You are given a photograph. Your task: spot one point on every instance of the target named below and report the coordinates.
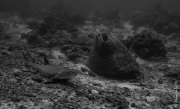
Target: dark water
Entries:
(125, 6)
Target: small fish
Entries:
(50, 71)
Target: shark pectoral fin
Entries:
(51, 79)
(46, 61)
(55, 77)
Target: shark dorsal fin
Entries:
(46, 62)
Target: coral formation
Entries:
(110, 58)
(146, 45)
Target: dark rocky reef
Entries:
(110, 58)
(146, 45)
(57, 18)
(55, 23)
(34, 39)
(166, 27)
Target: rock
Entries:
(42, 53)
(134, 105)
(150, 98)
(73, 56)
(58, 54)
(4, 52)
(170, 107)
(72, 96)
(35, 39)
(111, 59)
(103, 107)
(147, 45)
(85, 70)
(167, 100)
(173, 48)
(37, 79)
(13, 80)
(15, 70)
(94, 92)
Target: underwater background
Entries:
(125, 6)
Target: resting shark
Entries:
(50, 71)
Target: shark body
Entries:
(50, 71)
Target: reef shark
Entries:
(51, 72)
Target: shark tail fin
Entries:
(46, 61)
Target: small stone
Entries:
(13, 80)
(37, 79)
(16, 70)
(103, 107)
(133, 105)
(72, 96)
(10, 49)
(170, 107)
(4, 52)
(150, 98)
(30, 82)
(45, 101)
(167, 100)
(94, 92)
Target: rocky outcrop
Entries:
(146, 45)
(110, 58)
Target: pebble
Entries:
(133, 105)
(94, 92)
(170, 107)
(4, 52)
(150, 98)
(13, 80)
(16, 70)
(103, 107)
